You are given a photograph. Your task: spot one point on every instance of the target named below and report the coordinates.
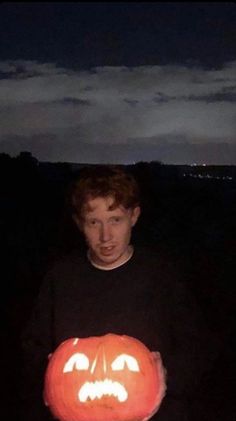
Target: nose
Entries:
(105, 233)
(99, 366)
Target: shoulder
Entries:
(161, 260)
(168, 274)
(66, 265)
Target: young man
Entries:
(114, 288)
(106, 207)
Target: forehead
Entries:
(102, 204)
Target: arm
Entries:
(191, 353)
(188, 346)
(36, 345)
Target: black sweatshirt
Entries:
(143, 298)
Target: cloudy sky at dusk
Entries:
(119, 82)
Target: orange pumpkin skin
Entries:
(106, 378)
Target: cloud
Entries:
(118, 113)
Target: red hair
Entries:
(104, 181)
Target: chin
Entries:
(108, 260)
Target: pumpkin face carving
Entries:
(107, 378)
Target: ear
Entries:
(135, 215)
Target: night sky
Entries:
(119, 82)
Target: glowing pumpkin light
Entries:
(104, 378)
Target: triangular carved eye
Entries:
(124, 359)
(78, 361)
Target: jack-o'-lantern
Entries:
(106, 378)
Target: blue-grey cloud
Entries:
(131, 102)
(118, 112)
(217, 97)
(74, 101)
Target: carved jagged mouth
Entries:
(98, 389)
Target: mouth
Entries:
(99, 389)
(107, 250)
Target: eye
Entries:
(79, 361)
(124, 359)
(116, 219)
(92, 222)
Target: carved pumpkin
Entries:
(107, 378)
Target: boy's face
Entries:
(107, 231)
